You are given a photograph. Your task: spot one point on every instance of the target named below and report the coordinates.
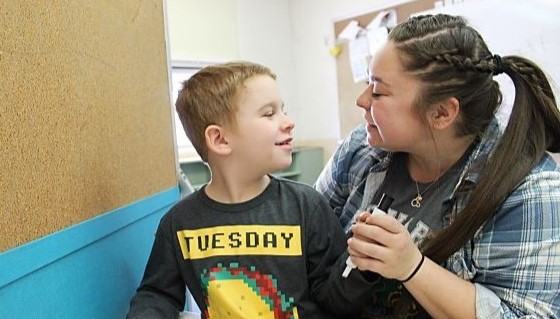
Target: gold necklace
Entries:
(416, 202)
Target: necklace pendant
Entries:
(416, 202)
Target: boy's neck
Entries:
(235, 190)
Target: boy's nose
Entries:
(288, 123)
(291, 124)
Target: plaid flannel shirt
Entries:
(513, 260)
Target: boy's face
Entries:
(262, 139)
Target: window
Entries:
(178, 75)
(181, 71)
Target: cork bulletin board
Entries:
(85, 114)
(350, 115)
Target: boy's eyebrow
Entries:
(271, 105)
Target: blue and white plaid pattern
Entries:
(343, 179)
(514, 259)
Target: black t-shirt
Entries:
(398, 184)
(272, 254)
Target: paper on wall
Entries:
(358, 51)
(378, 29)
(385, 18)
(351, 31)
(376, 38)
(363, 43)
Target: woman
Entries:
(474, 227)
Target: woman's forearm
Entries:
(441, 293)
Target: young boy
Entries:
(247, 244)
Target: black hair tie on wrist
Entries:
(415, 270)
(498, 65)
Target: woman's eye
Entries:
(376, 95)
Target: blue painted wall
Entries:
(90, 270)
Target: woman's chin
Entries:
(373, 138)
(373, 143)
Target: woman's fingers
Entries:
(383, 245)
(387, 222)
(372, 233)
(362, 217)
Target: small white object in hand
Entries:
(349, 264)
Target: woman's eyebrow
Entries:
(372, 78)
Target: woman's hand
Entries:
(383, 245)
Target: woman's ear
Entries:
(216, 140)
(445, 113)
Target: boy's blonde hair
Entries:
(211, 96)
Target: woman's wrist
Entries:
(415, 271)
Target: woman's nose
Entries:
(364, 99)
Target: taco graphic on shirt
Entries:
(238, 293)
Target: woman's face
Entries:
(388, 102)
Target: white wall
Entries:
(202, 30)
(265, 36)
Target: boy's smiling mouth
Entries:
(284, 142)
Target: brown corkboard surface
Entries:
(85, 115)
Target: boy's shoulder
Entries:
(291, 183)
(299, 187)
(190, 201)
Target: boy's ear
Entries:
(444, 114)
(216, 140)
